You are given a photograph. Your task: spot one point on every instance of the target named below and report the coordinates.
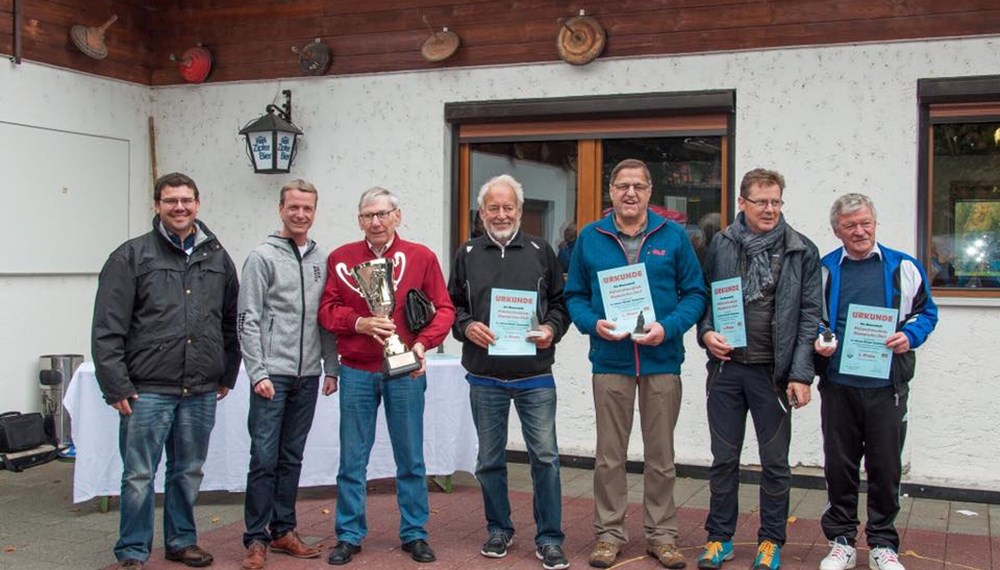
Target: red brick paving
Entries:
(457, 530)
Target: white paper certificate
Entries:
(865, 352)
(625, 294)
(727, 311)
(510, 319)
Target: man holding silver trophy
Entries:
(382, 361)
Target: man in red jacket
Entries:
(363, 382)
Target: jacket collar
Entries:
(516, 241)
(280, 242)
(654, 222)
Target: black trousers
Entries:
(869, 422)
(734, 389)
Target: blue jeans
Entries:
(278, 430)
(360, 395)
(182, 425)
(734, 389)
(537, 410)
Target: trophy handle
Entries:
(345, 276)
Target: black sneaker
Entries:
(552, 557)
(496, 546)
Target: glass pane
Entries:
(687, 180)
(546, 170)
(965, 206)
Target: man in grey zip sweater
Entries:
(282, 348)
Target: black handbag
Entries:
(19, 432)
(419, 310)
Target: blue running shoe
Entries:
(768, 556)
(716, 552)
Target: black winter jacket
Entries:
(797, 301)
(165, 322)
(526, 263)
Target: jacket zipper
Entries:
(302, 297)
(638, 252)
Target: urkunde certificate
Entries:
(727, 311)
(625, 294)
(510, 319)
(865, 352)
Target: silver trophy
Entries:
(534, 327)
(374, 280)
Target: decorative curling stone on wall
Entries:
(91, 40)
(314, 58)
(580, 40)
(194, 64)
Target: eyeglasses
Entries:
(174, 201)
(866, 225)
(763, 204)
(382, 216)
(639, 187)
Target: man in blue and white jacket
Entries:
(623, 366)
(862, 415)
(283, 348)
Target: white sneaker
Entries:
(842, 556)
(884, 558)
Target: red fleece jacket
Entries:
(414, 267)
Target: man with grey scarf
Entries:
(770, 374)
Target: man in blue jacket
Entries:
(864, 412)
(649, 364)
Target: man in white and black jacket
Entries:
(284, 351)
(506, 258)
(866, 415)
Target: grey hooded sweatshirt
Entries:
(279, 300)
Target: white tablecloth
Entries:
(449, 435)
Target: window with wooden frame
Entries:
(562, 151)
(959, 199)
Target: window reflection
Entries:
(965, 215)
(546, 170)
(687, 180)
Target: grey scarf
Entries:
(757, 248)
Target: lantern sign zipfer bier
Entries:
(271, 139)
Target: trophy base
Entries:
(832, 343)
(400, 364)
(638, 336)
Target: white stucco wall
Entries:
(51, 313)
(831, 119)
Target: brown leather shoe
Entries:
(292, 545)
(256, 556)
(131, 564)
(668, 554)
(192, 556)
(604, 555)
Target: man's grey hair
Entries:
(848, 204)
(375, 193)
(505, 180)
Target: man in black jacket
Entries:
(760, 359)
(165, 349)
(499, 281)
